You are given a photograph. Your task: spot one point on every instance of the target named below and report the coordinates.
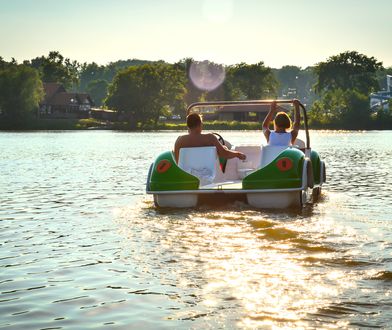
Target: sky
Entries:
(277, 32)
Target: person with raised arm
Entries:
(284, 133)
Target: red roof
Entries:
(70, 99)
(55, 94)
(52, 89)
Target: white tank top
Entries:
(279, 139)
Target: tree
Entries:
(305, 85)
(344, 82)
(111, 69)
(20, 93)
(90, 72)
(98, 90)
(192, 94)
(143, 92)
(348, 71)
(56, 68)
(381, 77)
(254, 81)
(295, 82)
(341, 109)
(287, 78)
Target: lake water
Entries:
(82, 247)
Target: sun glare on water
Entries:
(266, 272)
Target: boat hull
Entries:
(276, 200)
(176, 200)
(259, 199)
(272, 186)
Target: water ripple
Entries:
(83, 247)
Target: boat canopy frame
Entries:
(254, 102)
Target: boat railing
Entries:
(254, 102)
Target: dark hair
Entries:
(193, 120)
(282, 120)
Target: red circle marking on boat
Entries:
(284, 164)
(163, 166)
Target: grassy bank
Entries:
(82, 124)
(213, 125)
(58, 124)
(90, 123)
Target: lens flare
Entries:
(206, 75)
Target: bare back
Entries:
(193, 140)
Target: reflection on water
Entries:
(83, 247)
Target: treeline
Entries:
(336, 91)
(344, 83)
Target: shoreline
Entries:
(95, 124)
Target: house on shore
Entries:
(58, 103)
(380, 100)
(244, 113)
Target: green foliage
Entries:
(64, 124)
(382, 119)
(348, 70)
(344, 82)
(142, 92)
(192, 94)
(381, 77)
(341, 109)
(56, 68)
(97, 89)
(206, 69)
(295, 82)
(210, 125)
(242, 81)
(250, 81)
(20, 93)
(90, 123)
(287, 77)
(90, 72)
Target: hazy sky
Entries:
(278, 32)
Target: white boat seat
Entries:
(252, 161)
(269, 153)
(298, 143)
(202, 162)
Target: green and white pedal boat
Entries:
(270, 177)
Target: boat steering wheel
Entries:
(220, 138)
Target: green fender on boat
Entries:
(167, 176)
(271, 177)
(315, 158)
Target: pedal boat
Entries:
(270, 177)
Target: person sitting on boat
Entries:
(195, 138)
(282, 135)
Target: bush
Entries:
(341, 110)
(20, 93)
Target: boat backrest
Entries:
(269, 153)
(201, 162)
(252, 153)
(298, 143)
(252, 161)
